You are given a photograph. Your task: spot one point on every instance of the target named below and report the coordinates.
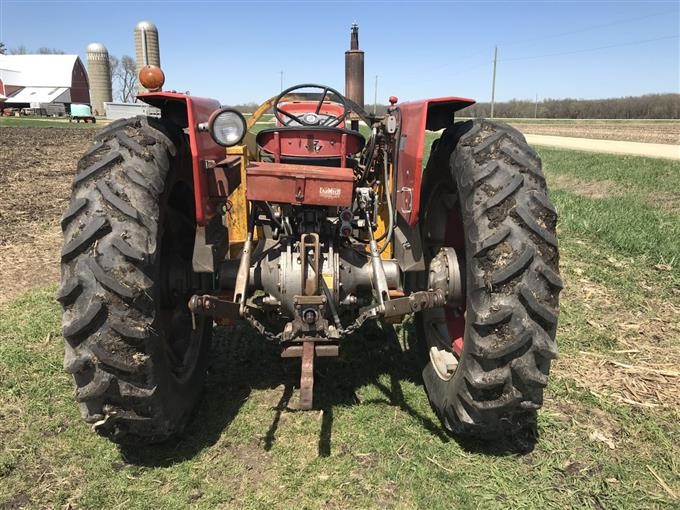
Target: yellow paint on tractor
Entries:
(383, 220)
(237, 215)
(261, 111)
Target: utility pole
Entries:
(375, 96)
(536, 107)
(281, 73)
(493, 82)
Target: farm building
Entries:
(39, 80)
(115, 111)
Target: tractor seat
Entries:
(315, 145)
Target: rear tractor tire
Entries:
(486, 362)
(126, 277)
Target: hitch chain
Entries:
(276, 337)
(260, 328)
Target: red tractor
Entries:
(307, 230)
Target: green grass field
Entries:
(608, 436)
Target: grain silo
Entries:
(146, 47)
(99, 74)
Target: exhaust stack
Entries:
(354, 73)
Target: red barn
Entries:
(30, 80)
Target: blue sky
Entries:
(234, 51)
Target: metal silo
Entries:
(99, 74)
(146, 47)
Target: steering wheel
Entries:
(311, 118)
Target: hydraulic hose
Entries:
(371, 151)
(387, 235)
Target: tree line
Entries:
(22, 50)
(648, 106)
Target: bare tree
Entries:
(113, 65)
(23, 50)
(49, 51)
(124, 76)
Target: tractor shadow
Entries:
(243, 361)
(386, 350)
(365, 360)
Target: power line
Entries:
(407, 78)
(587, 50)
(456, 61)
(587, 29)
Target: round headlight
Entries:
(227, 127)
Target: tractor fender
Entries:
(188, 112)
(416, 117)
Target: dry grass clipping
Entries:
(647, 378)
(585, 188)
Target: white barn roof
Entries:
(41, 95)
(37, 70)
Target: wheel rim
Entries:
(444, 328)
(183, 334)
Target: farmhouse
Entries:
(39, 80)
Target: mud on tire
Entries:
(137, 364)
(512, 279)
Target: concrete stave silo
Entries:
(99, 75)
(147, 51)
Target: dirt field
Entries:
(646, 132)
(36, 169)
